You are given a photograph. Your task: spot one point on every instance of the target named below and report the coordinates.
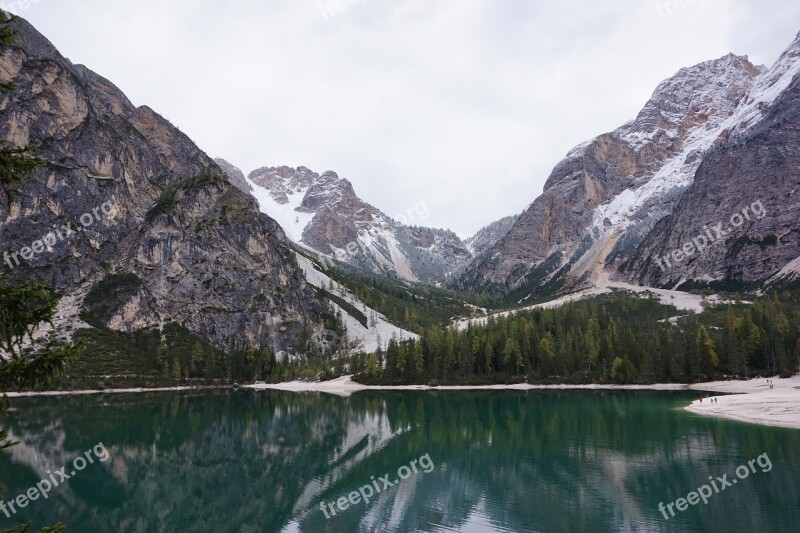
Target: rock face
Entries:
(741, 216)
(602, 205)
(489, 235)
(323, 212)
(148, 202)
(235, 176)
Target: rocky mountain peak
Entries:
(194, 250)
(701, 96)
(323, 213)
(608, 193)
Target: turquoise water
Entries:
(245, 461)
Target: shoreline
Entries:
(744, 401)
(89, 392)
(753, 401)
(344, 386)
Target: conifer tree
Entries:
(488, 355)
(401, 360)
(419, 359)
(706, 351)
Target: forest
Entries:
(614, 338)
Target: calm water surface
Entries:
(551, 461)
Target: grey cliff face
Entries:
(488, 236)
(745, 201)
(235, 176)
(206, 257)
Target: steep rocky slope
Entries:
(743, 208)
(489, 235)
(323, 213)
(235, 176)
(140, 200)
(602, 201)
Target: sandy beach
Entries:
(753, 401)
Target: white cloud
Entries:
(464, 104)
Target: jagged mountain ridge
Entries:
(489, 235)
(323, 213)
(605, 197)
(205, 257)
(754, 175)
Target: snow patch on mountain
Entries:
(322, 213)
(292, 219)
(713, 125)
(378, 331)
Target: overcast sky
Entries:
(465, 105)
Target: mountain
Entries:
(235, 176)
(743, 206)
(128, 210)
(621, 197)
(323, 213)
(489, 235)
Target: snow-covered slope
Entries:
(324, 214)
(604, 198)
(488, 236)
(378, 331)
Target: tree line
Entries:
(613, 338)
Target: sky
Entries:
(463, 106)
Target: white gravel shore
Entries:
(753, 401)
(747, 401)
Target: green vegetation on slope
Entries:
(413, 307)
(614, 338)
(153, 358)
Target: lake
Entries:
(474, 461)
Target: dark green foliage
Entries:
(347, 306)
(29, 360)
(615, 338)
(116, 359)
(201, 180)
(15, 165)
(413, 307)
(165, 202)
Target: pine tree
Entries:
(706, 351)
(737, 358)
(391, 358)
(401, 360)
(547, 347)
(797, 356)
(592, 343)
(488, 355)
(372, 365)
(209, 364)
(197, 356)
(176, 371)
(512, 353)
(419, 358)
